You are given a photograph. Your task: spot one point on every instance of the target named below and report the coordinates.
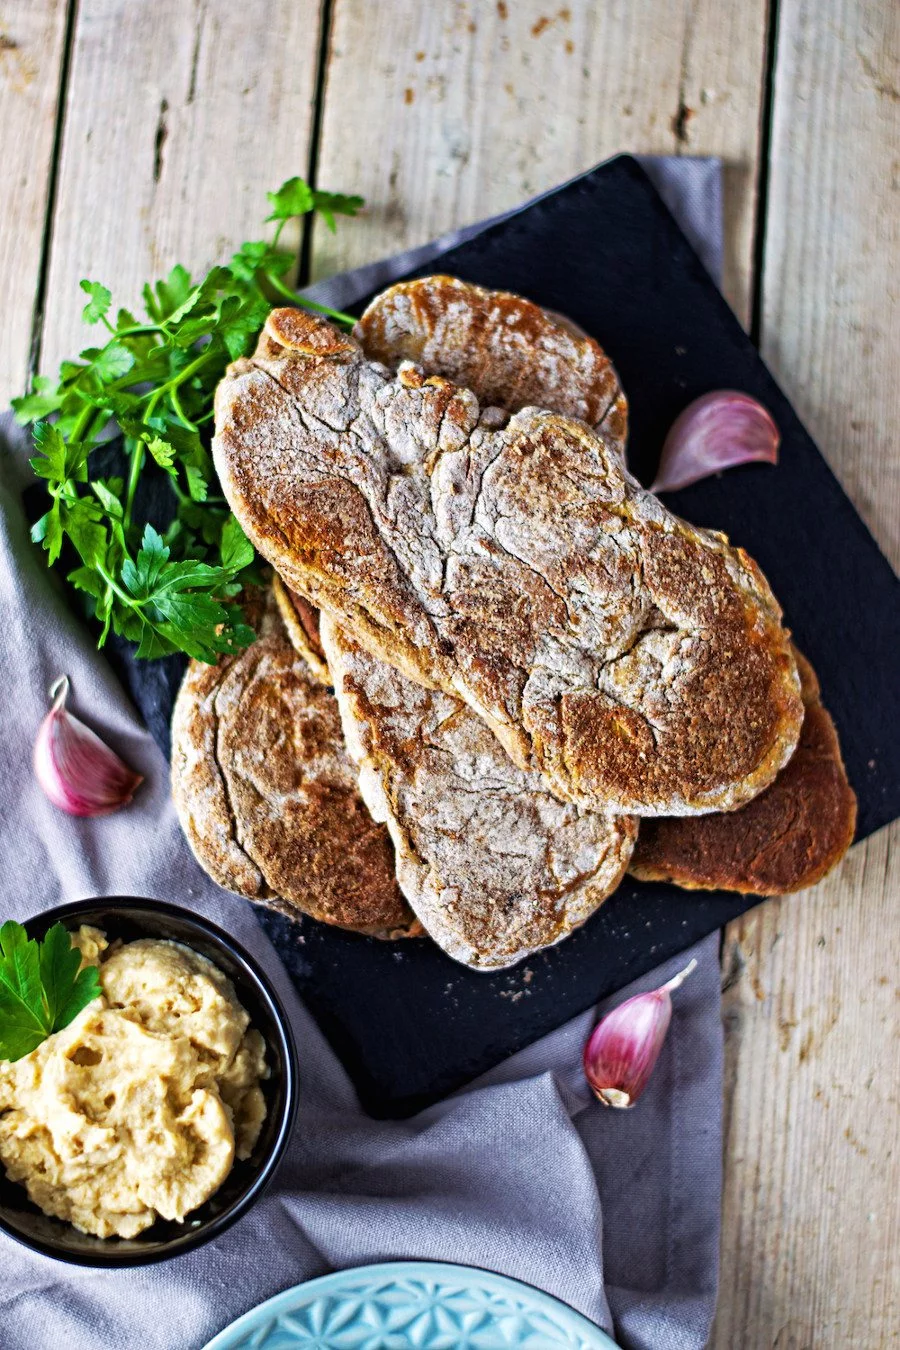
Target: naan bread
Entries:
(637, 662)
(511, 353)
(493, 864)
(267, 794)
(787, 838)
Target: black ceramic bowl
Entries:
(128, 918)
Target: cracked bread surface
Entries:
(787, 838)
(493, 864)
(267, 794)
(511, 353)
(638, 662)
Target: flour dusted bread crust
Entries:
(492, 863)
(301, 622)
(266, 793)
(639, 663)
(787, 838)
(511, 353)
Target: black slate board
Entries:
(410, 1024)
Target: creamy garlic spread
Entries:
(139, 1107)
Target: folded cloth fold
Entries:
(616, 1213)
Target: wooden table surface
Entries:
(137, 133)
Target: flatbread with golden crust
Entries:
(493, 864)
(639, 663)
(787, 838)
(511, 353)
(267, 794)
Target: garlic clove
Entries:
(715, 432)
(77, 771)
(624, 1046)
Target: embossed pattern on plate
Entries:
(417, 1304)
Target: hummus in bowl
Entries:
(137, 1109)
(160, 1113)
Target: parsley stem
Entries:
(338, 314)
(154, 395)
(139, 329)
(295, 299)
(117, 589)
(134, 473)
(83, 420)
(176, 404)
(191, 369)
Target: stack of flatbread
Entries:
(493, 672)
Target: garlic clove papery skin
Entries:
(624, 1047)
(622, 1050)
(717, 431)
(77, 771)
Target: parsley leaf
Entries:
(163, 453)
(82, 522)
(49, 532)
(297, 198)
(237, 551)
(20, 970)
(152, 379)
(67, 988)
(58, 460)
(331, 204)
(141, 577)
(111, 362)
(44, 400)
(168, 297)
(42, 987)
(98, 306)
(293, 198)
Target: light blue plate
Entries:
(412, 1305)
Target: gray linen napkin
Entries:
(616, 1213)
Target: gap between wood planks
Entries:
(762, 187)
(37, 318)
(326, 16)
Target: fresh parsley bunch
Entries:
(152, 378)
(42, 987)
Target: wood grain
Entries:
(831, 286)
(442, 114)
(31, 46)
(180, 117)
(811, 1226)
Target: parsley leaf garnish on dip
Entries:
(42, 987)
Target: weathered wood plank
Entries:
(180, 116)
(831, 289)
(442, 114)
(32, 35)
(810, 1220)
(811, 1224)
